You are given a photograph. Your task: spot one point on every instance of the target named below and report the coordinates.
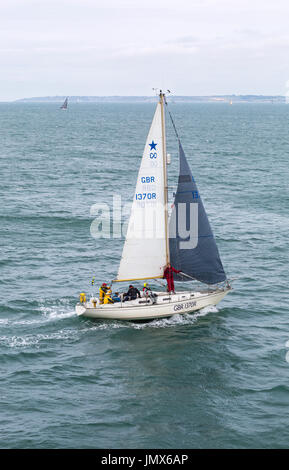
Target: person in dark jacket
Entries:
(132, 293)
(169, 276)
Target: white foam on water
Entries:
(39, 320)
(174, 320)
(54, 314)
(158, 323)
(61, 309)
(48, 314)
(204, 311)
(37, 339)
(177, 319)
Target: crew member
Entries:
(149, 293)
(146, 288)
(102, 291)
(107, 297)
(169, 276)
(116, 297)
(132, 293)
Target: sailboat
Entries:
(65, 104)
(154, 239)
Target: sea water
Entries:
(218, 378)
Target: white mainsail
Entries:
(145, 250)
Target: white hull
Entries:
(166, 305)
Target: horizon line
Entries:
(172, 96)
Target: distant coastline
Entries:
(231, 99)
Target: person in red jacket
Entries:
(169, 276)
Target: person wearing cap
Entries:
(132, 293)
(102, 292)
(147, 292)
(146, 288)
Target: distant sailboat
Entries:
(146, 253)
(64, 106)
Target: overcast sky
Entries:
(126, 47)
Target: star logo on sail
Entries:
(153, 145)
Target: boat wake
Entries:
(204, 311)
(36, 340)
(59, 310)
(177, 319)
(56, 312)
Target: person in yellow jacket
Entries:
(102, 291)
(107, 297)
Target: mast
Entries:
(162, 99)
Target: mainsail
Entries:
(202, 261)
(145, 250)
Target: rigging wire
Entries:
(171, 117)
(178, 139)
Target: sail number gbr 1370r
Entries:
(185, 305)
